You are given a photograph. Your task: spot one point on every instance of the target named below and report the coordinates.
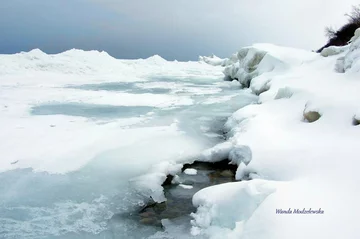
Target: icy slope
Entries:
(298, 159)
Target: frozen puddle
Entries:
(90, 110)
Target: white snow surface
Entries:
(87, 138)
(294, 164)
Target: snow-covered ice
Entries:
(86, 137)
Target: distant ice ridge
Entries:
(77, 62)
(217, 61)
(300, 147)
(36, 60)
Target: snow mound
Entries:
(34, 54)
(260, 84)
(217, 215)
(155, 59)
(261, 58)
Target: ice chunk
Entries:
(149, 184)
(217, 153)
(334, 50)
(190, 171)
(239, 154)
(214, 60)
(185, 186)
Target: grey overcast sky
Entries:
(181, 29)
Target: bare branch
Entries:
(330, 32)
(354, 15)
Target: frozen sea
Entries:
(78, 127)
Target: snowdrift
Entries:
(299, 147)
(261, 58)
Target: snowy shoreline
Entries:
(294, 133)
(303, 145)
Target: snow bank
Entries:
(260, 58)
(300, 145)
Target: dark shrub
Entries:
(342, 36)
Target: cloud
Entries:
(181, 29)
(237, 22)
